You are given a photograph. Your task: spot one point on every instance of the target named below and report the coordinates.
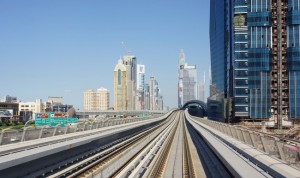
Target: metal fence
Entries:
(281, 148)
(13, 136)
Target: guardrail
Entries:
(8, 137)
(281, 148)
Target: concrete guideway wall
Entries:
(246, 161)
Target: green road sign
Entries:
(55, 121)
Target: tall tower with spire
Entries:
(180, 78)
(187, 81)
(120, 87)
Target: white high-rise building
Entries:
(33, 107)
(96, 100)
(140, 77)
(154, 94)
(201, 92)
(140, 83)
(187, 81)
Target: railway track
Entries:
(212, 165)
(175, 159)
(174, 147)
(189, 171)
(160, 163)
(100, 163)
(32, 144)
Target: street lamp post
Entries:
(2, 133)
(24, 129)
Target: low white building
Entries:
(34, 107)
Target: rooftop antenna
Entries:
(125, 47)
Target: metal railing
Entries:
(281, 148)
(14, 136)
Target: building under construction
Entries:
(264, 60)
(274, 60)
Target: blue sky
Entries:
(63, 47)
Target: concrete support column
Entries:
(239, 134)
(54, 132)
(263, 141)
(41, 132)
(66, 130)
(279, 146)
(76, 128)
(254, 143)
(244, 136)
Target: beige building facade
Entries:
(120, 87)
(96, 100)
(131, 78)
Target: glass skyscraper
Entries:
(274, 60)
(221, 63)
(259, 21)
(218, 43)
(293, 57)
(239, 42)
(260, 57)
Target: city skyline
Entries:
(64, 48)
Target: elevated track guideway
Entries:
(174, 145)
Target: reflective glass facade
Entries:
(240, 59)
(260, 58)
(293, 57)
(218, 43)
(221, 88)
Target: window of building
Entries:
(119, 77)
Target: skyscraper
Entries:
(156, 100)
(293, 60)
(140, 87)
(262, 51)
(147, 97)
(238, 92)
(152, 93)
(120, 87)
(220, 29)
(131, 79)
(140, 77)
(187, 81)
(219, 42)
(274, 71)
(96, 100)
(201, 92)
